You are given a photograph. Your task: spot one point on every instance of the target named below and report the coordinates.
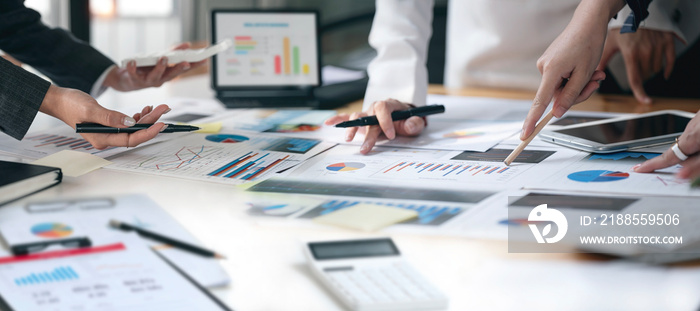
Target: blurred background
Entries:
(124, 28)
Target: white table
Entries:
(266, 263)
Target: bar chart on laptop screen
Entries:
(269, 49)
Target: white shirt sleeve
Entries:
(98, 88)
(660, 18)
(400, 33)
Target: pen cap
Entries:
(426, 110)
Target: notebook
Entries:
(20, 179)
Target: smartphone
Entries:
(622, 133)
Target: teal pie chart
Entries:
(598, 176)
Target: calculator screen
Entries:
(353, 249)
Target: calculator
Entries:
(370, 274)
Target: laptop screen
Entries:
(270, 49)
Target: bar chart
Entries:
(249, 166)
(60, 274)
(428, 214)
(266, 55)
(63, 142)
(448, 171)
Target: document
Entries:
(121, 275)
(227, 157)
(47, 221)
(613, 173)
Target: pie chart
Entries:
(226, 138)
(345, 166)
(598, 176)
(52, 230)
(281, 209)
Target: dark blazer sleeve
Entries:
(21, 94)
(67, 61)
(639, 13)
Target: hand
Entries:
(568, 65)
(645, 52)
(382, 109)
(689, 144)
(73, 106)
(134, 78)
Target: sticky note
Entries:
(366, 217)
(73, 163)
(208, 128)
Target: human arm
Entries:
(689, 144)
(72, 63)
(400, 34)
(568, 65)
(645, 53)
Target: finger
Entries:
(549, 84)
(114, 118)
(131, 68)
(635, 79)
(410, 127)
(173, 72)
(183, 46)
(351, 131)
(691, 168)
(608, 52)
(657, 60)
(139, 137)
(371, 138)
(666, 159)
(155, 114)
(587, 91)
(383, 114)
(670, 55)
(157, 72)
(337, 119)
(571, 91)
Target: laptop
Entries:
(275, 60)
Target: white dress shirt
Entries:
(490, 43)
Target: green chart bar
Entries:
(295, 56)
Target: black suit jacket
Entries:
(67, 61)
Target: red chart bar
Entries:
(278, 65)
(406, 166)
(242, 38)
(234, 164)
(267, 168)
(393, 167)
(64, 253)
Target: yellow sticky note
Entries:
(208, 128)
(366, 217)
(73, 163)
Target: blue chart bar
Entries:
(229, 165)
(57, 275)
(426, 214)
(244, 168)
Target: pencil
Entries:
(516, 152)
(172, 242)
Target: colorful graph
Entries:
(63, 142)
(180, 159)
(417, 169)
(624, 155)
(427, 214)
(247, 167)
(598, 176)
(520, 222)
(463, 134)
(51, 230)
(281, 209)
(60, 274)
(345, 166)
(227, 138)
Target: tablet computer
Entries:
(623, 133)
